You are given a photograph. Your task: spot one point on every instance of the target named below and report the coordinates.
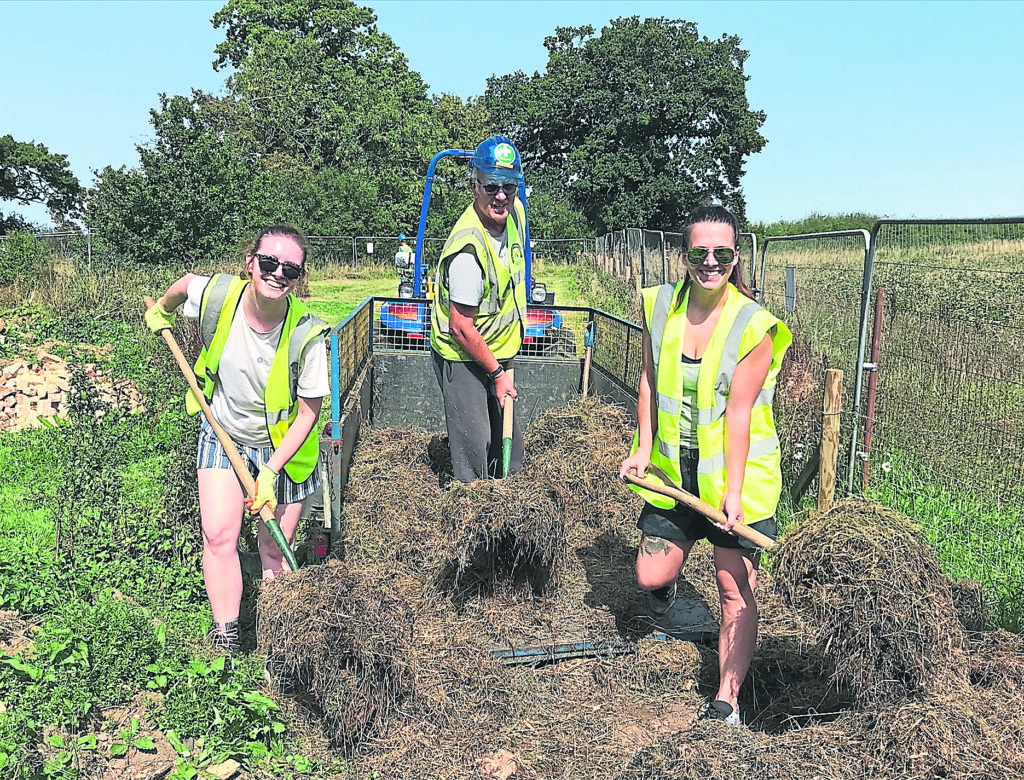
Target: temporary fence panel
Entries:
(653, 257)
(813, 283)
(377, 251)
(675, 256)
(331, 251)
(749, 260)
(948, 424)
(558, 250)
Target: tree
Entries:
(635, 126)
(195, 196)
(29, 173)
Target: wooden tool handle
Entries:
(248, 483)
(506, 422)
(717, 516)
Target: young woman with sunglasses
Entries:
(711, 355)
(264, 365)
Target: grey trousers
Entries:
(474, 417)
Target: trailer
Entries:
(387, 382)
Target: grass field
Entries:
(948, 446)
(334, 295)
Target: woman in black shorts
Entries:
(711, 355)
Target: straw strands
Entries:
(386, 656)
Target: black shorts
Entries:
(683, 524)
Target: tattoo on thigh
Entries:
(654, 545)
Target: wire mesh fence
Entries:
(351, 346)
(948, 423)
(403, 325)
(813, 284)
(618, 349)
(651, 257)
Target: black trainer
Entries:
(225, 638)
(659, 604)
(720, 710)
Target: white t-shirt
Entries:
(245, 368)
(466, 277)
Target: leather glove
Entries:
(158, 318)
(264, 494)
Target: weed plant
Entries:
(101, 547)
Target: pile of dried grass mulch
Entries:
(385, 656)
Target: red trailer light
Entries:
(404, 311)
(539, 317)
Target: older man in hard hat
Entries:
(479, 311)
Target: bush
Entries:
(22, 255)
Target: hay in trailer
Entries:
(882, 610)
(512, 528)
(575, 450)
(387, 662)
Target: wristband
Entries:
(493, 375)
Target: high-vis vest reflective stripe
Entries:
(741, 327)
(502, 311)
(221, 297)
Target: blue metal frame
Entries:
(421, 230)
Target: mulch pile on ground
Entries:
(386, 654)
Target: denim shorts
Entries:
(683, 524)
(211, 455)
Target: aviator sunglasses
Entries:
(269, 264)
(723, 254)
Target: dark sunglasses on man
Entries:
(269, 264)
(492, 189)
(723, 254)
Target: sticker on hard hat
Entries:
(504, 155)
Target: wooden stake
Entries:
(830, 437)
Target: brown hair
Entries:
(713, 212)
(282, 229)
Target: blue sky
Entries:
(904, 109)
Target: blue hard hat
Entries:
(401, 237)
(497, 156)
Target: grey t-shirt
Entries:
(466, 277)
(245, 369)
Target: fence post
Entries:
(664, 258)
(876, 349)
(830, 437)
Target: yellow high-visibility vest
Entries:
(502, 311)
(741, 327)
(221, 297)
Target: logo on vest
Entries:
(504, 155)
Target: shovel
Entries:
(716, 516)
(248, 483)
(506, 431)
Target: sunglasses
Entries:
(723, 254)
(269, 264)
(492, 189)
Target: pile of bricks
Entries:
(34, 389)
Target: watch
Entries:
(496, 372)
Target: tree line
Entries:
(322, 122)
